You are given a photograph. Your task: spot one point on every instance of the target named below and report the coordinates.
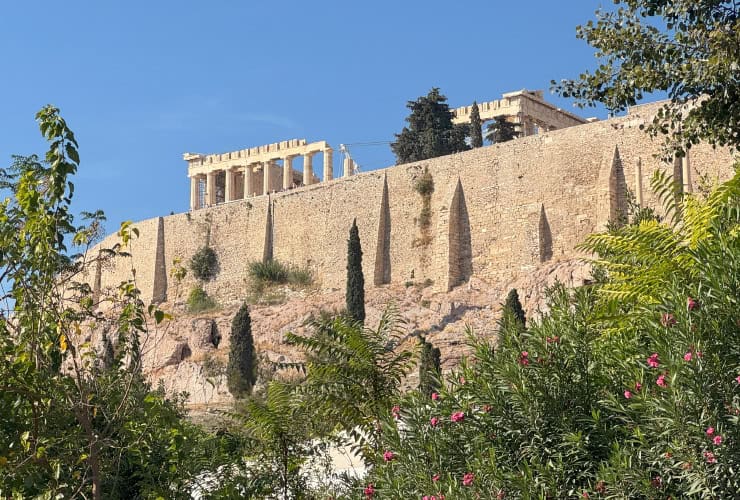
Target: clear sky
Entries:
(141, 83)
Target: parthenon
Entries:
(527, 109)
(220, 178)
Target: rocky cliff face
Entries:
(189, 353)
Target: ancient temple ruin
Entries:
(220, 178)
(526, 109)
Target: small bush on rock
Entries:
(199, 301)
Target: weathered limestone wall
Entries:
(496, 213)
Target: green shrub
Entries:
(204, 264)
(199, 301)
(424, 184)
(274, 272)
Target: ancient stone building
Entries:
(496, 212)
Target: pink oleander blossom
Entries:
(653, 361)
(717, 440)
(710, 431)
(369, 491)
(638, 386)
(524, 358)
(434, 421)
(709, 457)
(737, 379)
(627, 394)
(667, 320)
(435, 396)
(687, 356)
(661, 381)
(396, 411)
(458, 416)
(468, 478)
(388, 456)
(435, 478)
(691, 303)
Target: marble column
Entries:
(267, 177)
(287, 172)
(229, 187)
(328, 164)
(248, 188)
(307, 169)
(347, 167)
(194, 182)
(211, 188)
(686, 173)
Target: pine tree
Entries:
(241, 372)
(430, 131)
(355, 278)
(513, 305)
(500, 130)
(476, 127)
(430, 368)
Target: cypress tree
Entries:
(514, 307)
(355, 279)
(476, 127)
(429, 368)
(241, 372)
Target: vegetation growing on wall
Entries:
(200, 301)
(204, 263)
(424, 185)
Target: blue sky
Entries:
(141, 83)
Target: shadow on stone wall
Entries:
(544, 236)
(460, 248)
(383, 250)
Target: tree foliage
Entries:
(500, 130)
(430, 131)
(241, 372)
(476, 127)
(514, 307)
(78, 420)
(686, 48)
(355, 296)
(204, 263)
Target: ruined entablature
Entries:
(526, 109)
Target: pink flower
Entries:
(388, 456)
(638, 386)
(585, 494)
(468, 478)
(462, 380)
(667, 320)
(427, 497)
(627, 394)
(524, 358)
(458, 416)
(652, 361)
(369, 491)
(717, 440)
(487, 408)
(396, 411)
(435, 478)
(434, 421)
(553, 340)
(737, 379)
(710, 458)
(710, 430)
(687, 356)
(661, 381)
(691, 304)
(435, 396)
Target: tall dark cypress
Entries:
(241, 372)
(476, 127)
(355, 278)
(429, 368)
(515, 307)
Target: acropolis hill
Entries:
(496, 211)
(501, 216)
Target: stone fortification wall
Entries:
(496, 213)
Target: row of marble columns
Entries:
(249, 188)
